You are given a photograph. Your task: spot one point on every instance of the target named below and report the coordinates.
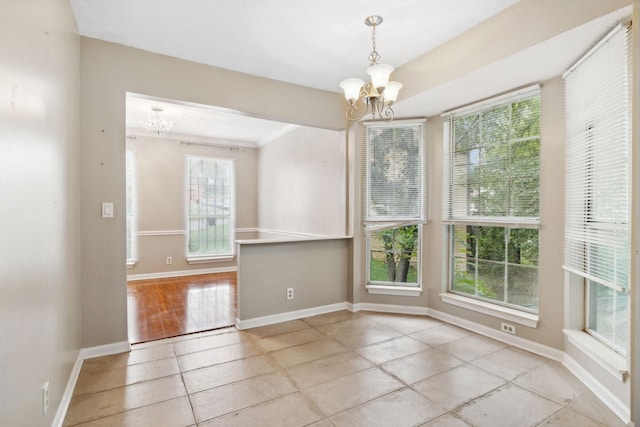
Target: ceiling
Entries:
(315, 44)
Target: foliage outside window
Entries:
(130, 206)
(491, 199)
(210, 190)
(598, 184)
(395, 198)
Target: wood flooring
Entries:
(163, 308)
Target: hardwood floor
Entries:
(162, 308)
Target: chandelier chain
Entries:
(373, 57)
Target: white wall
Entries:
(39, 214)
(302, 183)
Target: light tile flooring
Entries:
(338, 369)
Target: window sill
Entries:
(131, 263)
(505, 313)
(405, 291)
(209, 259)
(612, 362)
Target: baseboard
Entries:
(389, 308)
(165, 274)
(105, 350)
(516, 341)
(290, 315)
(61, 413)
(596, 387)
(85, 353)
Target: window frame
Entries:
(589, 236)
(131, 208)
(452, 218)
(376, 223)
(200, 257)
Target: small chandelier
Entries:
(379, 94)
(156, 122)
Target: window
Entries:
(491, 199)
(394, 201)
(210, 204)
(130, 207)
(598, 184)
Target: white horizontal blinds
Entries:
(492, 162)
(597, 230)
(395, 171)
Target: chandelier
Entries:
(156, 122)
(379, 94)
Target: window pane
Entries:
(607, 315)
(491, 280)
(209, 188)
(496, 263)
(394, 255)
(130, 197)
(394, 172)
(521, 289)
(523, 246)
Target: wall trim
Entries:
(389, 308)
(516, 341)
(290, 315)
(161, 233)
(85, 353)
(609, 399)
(165, 274)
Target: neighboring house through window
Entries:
(491, 200)
(394, 204)
(210, 207)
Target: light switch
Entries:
(107, 210)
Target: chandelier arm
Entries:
(354, 114)
(387, 114)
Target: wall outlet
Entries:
(508, 328)
(289, 293)
(169, 260)
(45, 397)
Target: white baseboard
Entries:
(290, 315)
(389, 308)
(165, 274)
(524, 344)
(604, 394)
(61, 413)
(85, 353)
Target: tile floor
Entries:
(168, 307)
(338, 369)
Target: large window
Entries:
(491, 199)
(394, 201)
(598, 187)
(130, 207)
(210, 204)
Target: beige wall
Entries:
(160, 202)
(302, 182)
(108, 71)
(316, 270)
(40, 209)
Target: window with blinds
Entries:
(130, 207)
(394, 199)
(598, 183)
(491, 198)
(210, 195)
